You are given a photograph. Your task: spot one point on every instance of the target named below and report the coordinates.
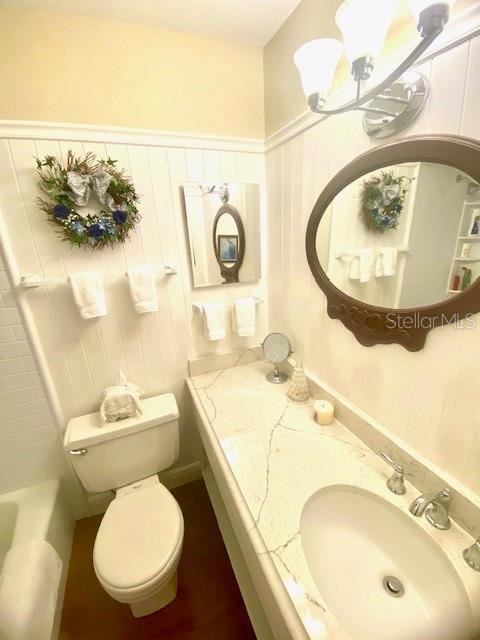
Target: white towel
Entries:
(214, 315)
(143, 289)
(29, 585)
(354, 270)
(379, 265)
(389, 260)
(244, 317)
(361, 266)
(88, 292)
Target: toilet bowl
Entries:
(139, 541)
(138, 547)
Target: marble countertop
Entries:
(278, 457)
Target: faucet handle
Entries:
(472, 555)
(399, 468)
(396, 483)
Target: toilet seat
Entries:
(139, 542)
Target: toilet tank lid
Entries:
(87, 430)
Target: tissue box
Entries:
(121, 401)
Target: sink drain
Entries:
(393, 586)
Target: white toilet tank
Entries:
(109, 456)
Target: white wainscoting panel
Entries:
(430, 398)
(152, 349)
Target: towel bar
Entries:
(198, 307)
(350, 254)
(32, 281)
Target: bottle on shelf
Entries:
(467, 278)
(456, 282)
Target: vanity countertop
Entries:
(273, 457)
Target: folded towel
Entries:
(214, 315)
(379, 265)
(354, 271)
(244, 317)
(361, 266)
(366, 264)
(88, 292)
(389, 260)
(142, 289)
(29, 585)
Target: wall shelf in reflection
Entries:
(467, 259)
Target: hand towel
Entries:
(379, 265)
(89, 295)
(244, 317)
(29, 585)
(361, 266)
(143, 290)
(389, 260)
(214, 316)
(354, 270)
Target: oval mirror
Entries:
(394, 240)
(229, 242)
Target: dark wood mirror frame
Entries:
(230, 273)
(378, 325)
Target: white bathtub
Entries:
(38, 513)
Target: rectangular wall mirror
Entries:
(223, 222)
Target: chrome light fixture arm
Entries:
(316, 102)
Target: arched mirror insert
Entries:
(229, 242)
(394, 240)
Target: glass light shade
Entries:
(317, 62)
(364, 25)
(417, 6)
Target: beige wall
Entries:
(66, 68)
(284, 98)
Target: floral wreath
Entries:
(382, 201)
(70, 187)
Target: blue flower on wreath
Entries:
(120, 216)
(61, 211)
(95, 230)
(108, 226)
(78, 228)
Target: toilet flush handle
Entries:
(78, 452)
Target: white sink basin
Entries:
(353, 540)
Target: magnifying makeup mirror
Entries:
(276, 349)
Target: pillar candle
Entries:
(323, 411)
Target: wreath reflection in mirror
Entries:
(382, 200)
(69, 188)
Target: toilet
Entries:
(139, 541)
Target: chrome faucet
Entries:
(472, 555)
(396, 483)
(435, 506)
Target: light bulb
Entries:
(317, 62)
(364, 25)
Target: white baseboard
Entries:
(172, 478)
